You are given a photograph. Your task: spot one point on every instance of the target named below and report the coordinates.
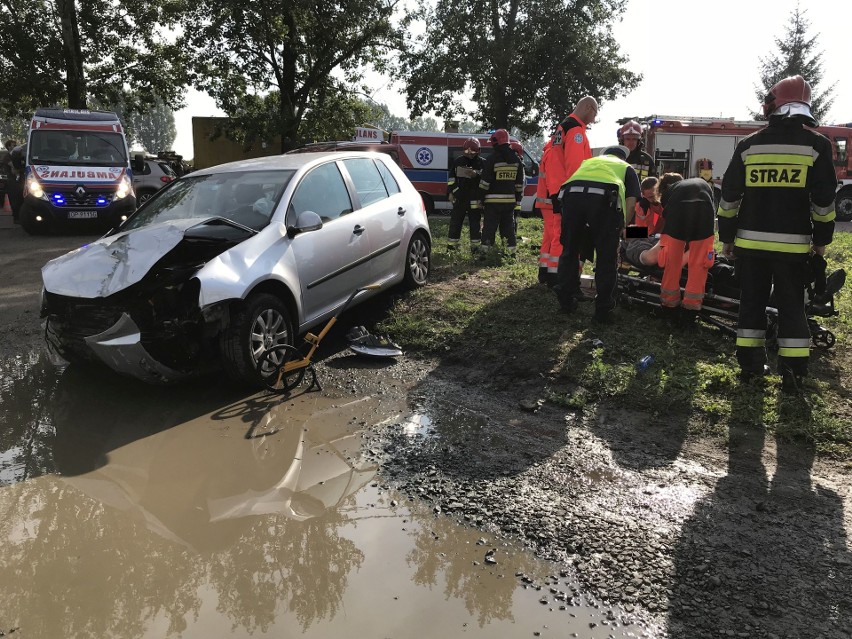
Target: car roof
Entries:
(287, 161)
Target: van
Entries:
(78, 172)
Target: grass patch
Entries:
(492, 315)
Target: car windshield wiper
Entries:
(224, 220)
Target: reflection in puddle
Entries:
(130, 511)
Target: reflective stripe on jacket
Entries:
(778, 192)
(604, 169)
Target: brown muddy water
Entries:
(132, 511)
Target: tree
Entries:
(68, 52)
(154, 129)
(797, 55)
(521, 63)
(288, 61)
(14, 129)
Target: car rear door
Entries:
(333, 261)
(385, 210)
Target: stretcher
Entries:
(640, 285)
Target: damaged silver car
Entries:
(227, 262)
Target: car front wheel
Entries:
(259, 324)
(418, 260)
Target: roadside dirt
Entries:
(696, 538)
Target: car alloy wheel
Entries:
(270, 329)
(417, 261)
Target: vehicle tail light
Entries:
(166, 178)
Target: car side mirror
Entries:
(533, 169)
(137, 163)
(306, 221)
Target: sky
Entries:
(697, 59)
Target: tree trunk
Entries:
(75, 79)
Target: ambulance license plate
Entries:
(82, 215)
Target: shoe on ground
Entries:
(747, 376)
(568, 306)
(791, 384)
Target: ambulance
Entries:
(78, 171)
(426, 158)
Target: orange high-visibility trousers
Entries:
(551, 243)
(701, 255)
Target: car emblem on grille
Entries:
(80, 191)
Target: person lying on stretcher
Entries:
(687, 221)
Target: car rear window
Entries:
(245, 197)
(166, 169)
(366, 179)
(389, 180)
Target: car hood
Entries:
(114, 262)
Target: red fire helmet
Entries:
(792, 89)
(500, 136)
(471, 144)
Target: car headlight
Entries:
(33, 187)
(125, 188)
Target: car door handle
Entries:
(400, 211)
(358, 229)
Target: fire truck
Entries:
(426, 158)
(702, 147)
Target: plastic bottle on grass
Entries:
(644, 363)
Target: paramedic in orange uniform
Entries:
(570, 142)
(689, 213)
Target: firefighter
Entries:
(502, 186)
(777, 207)
(463, 191)
(599, 194)
(689, 214)
(630, 135)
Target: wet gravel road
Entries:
(689, 539)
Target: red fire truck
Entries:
(697, 147)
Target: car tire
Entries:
(843, 205)
(418, 260)
(144, 195)
(259, 323)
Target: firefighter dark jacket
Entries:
(463, 183)
(778, 192)
(642, 163)
(503, 177)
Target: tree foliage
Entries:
(522, 63)
(154, 129)
(68, 52)
(283, 67)
(797, 55)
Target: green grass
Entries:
(491, 315)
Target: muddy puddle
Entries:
(130, 511)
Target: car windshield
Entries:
(245, 197)
(77, 148)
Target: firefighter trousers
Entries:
(604, 222)
(464, 208)
(500, 216)
(700, 257)
(785, 280)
